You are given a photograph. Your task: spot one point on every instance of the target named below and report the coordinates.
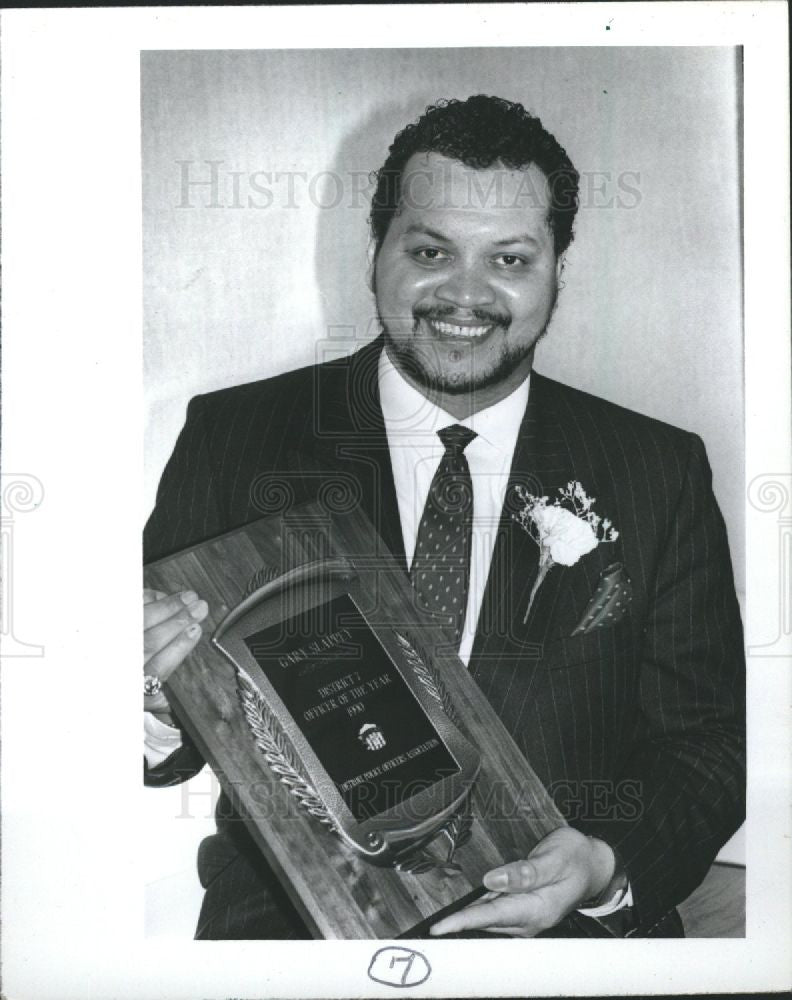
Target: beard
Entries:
(409, 354)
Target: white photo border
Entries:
(74, 846)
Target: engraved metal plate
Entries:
(350, 714)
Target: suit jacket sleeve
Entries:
(187, 511)
(188, 508)
(689, 751)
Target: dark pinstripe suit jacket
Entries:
(637, 729)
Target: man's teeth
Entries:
(451, 330)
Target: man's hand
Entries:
(561, 872)
(170, 631)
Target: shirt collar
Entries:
(408, 413)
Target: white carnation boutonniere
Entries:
(564, 530)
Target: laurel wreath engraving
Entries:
(427, 676)
(457, 829)
(277, 750)
(268, 733)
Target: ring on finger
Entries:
(152, 686)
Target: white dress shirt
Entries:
(411, 424)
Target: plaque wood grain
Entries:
(338, 894)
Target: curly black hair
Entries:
(480, 132)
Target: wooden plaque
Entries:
(487, 810)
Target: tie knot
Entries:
(456, 438)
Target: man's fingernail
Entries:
(188, 596)
(198, 611)
(498, 880)
(193, 631)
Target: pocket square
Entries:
(610, 601)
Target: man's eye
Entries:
(511, 261)
(430, 254)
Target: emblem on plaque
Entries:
(370, 735)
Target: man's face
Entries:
(466, 277)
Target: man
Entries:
(472, 214)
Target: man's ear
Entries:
(560, 264)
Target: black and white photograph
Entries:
(347, 280)
(433, 378)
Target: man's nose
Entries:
(467, 287)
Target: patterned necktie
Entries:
(441, 564)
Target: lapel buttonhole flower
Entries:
(564, 530)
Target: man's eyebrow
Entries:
(422, 230)
(524, 238)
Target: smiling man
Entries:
(637, 724)
(466, 279)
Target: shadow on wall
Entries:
(340, 263)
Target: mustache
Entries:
(487, 316)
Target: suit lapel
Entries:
(349, 441)
(542, 463)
